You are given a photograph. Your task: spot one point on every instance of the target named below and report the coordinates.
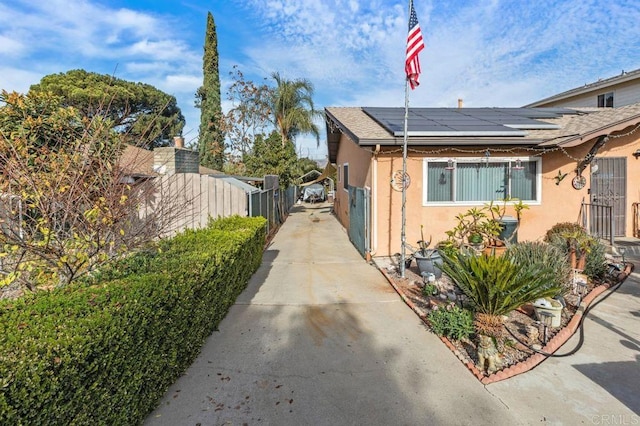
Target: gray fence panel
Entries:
(358, 218)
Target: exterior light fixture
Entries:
(622, 251)
(449, 164)
(581, 289)
(487, 154)
(546, 322)
(518, 165)
(636, 154)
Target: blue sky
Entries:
(487, 52)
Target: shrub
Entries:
(105, 352)
(539, 254)
(496, 286)
(560, 229)
(596, 265)
(452, 322)
(569, 236)
(429, 290)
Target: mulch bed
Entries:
(517, 357)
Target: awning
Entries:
(326, 174)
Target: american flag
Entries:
(414, 45)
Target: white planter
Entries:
(555, 309)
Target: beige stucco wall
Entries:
(359, 160)
(559, 203)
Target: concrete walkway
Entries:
(319, 337)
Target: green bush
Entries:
(539, 254)
(495, 285)
(452, 322)
(560, 229)
(429, 290)
(596, 265)
(569, 236)
(104, 352)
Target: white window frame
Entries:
(604, 97)
(425, 166)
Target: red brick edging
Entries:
(528, 364)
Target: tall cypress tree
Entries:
(211, 138)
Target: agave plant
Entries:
(541, 253)
(497, 285)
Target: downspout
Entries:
(374, 201)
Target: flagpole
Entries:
(412, 70)
(403, 236)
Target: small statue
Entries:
(533, 333)
(488, 354)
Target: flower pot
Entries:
(429, 262)
(494, 250)
(549, 306)
(508, 229)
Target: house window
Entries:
(605, 100)
(476, 180)
(345, 176)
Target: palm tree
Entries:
(292, 110)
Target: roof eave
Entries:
(576, 140)
(422, 141)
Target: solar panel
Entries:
(464, 121)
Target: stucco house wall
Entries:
(374, 166)
(558, 203)
(358, 161)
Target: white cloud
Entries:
(489, 52)
(10, 47)
(17, 80)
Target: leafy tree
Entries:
(64, 209)
(249, 114)
(211, 138)
(291, 108)
(147, 116)
(271, 157)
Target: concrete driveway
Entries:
(319, 337)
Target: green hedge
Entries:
(105, 351)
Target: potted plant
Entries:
(429, 260)
(508, 226)
(473, 229)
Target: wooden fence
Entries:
(190, 199)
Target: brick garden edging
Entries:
(551, 347)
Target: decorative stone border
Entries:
(551, 347)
